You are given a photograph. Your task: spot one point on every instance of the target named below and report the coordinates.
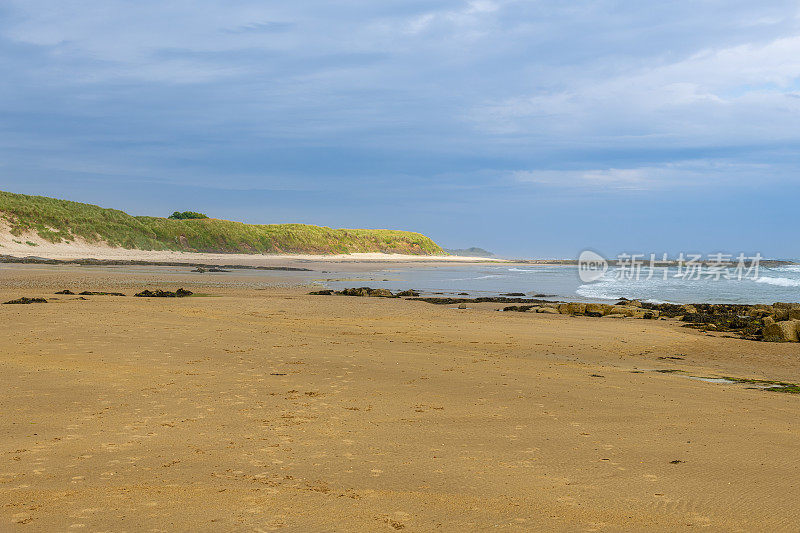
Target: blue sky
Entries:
(531, 128)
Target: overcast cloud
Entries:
(529, 127)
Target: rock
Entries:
(90, 293)
(758, 311)
(572, 309)
(521, 308)
(66, 291)
(688, 309)
(381, 293)
(325, 292)
(409, 292)
(25, 300)
(768, 320)
(784, 331)
(363, 291)
(780, 314)
(462, 306)
(513, 294)
(635, 303)
(158, 293)
(634, 312)
(794, 314)
(597, 310)
(367, 291)
(624, 310)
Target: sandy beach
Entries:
(251, 408)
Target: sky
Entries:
(529, 128)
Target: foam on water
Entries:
(780, 282)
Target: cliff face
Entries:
(62, 221)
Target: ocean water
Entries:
(560, 282)
(775, 284)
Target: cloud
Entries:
(680, 175)
(501, 99)
(732, 94)
(261, 27)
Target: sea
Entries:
(557, 282)
(562, 282)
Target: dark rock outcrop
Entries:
(25, 300)
(158, 293)
(92, 293)
(409, 292)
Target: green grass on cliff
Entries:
(63, 221)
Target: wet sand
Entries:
(262, 408)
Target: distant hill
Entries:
(469, 252)
(64, 221)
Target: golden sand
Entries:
(267, 409)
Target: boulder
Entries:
(623, 310)
(780, 314)
(409, 292)
(381, 293)
(632, 311)
(598, 310)
(783, 331)
(794, 314)
(572, 309)
(759, 311)
(688, 309)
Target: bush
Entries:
(177, 215)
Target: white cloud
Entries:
(674, 175)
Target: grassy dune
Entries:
(63, 221)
